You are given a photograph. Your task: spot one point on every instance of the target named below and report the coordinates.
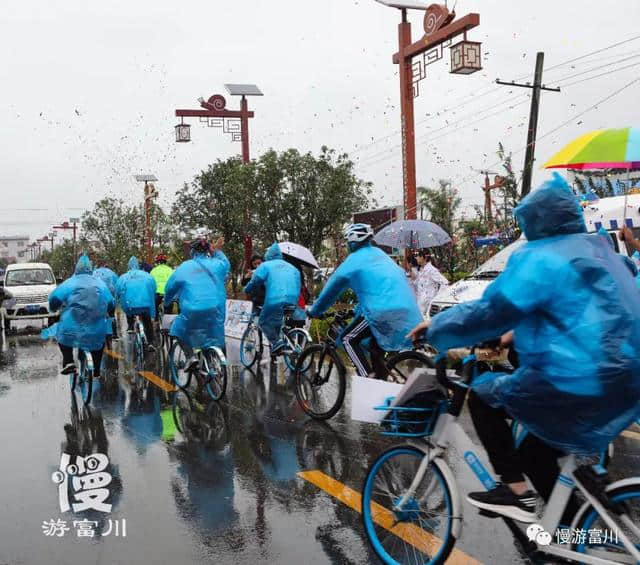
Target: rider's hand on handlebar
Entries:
(307, 311)
(416, 332)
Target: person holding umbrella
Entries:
(281, 282)
(428, 281)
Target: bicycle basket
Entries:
(416, 417)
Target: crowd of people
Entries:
(566, 302)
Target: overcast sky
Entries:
(89, 91)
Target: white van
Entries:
(25, 292)
(606, 213)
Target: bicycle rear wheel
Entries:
(251, 346)
(421, 531)
(320, 381)
(216, 374)
(599, 540)
(84, 381)
(177, 363)
(299, 340)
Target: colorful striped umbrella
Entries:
(600, 149)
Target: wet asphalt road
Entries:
(196, 481)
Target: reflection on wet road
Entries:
(246, 480)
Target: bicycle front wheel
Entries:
(299, 339)
(320, 381)
(419, 532)
(250, 346)
(177, 363)
(216, 374)
(405, 364)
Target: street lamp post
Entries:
(235, 122)
(70, 225)
(440, 27)
(150, 193)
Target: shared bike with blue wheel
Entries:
(412, 507)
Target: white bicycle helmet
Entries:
(358, 232)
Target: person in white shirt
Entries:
(428, 281)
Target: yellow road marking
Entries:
(159, 382)
(113, 354)
(419, 538)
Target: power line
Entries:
(599, 67)
(601, 75)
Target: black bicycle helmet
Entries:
(200, 245)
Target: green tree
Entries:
(114, 231)
(508, 196)
(280, 196)
(441, 206)
(61, 259)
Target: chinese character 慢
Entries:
(120, 528)
(54, 527)
(88, 479)
(579, 536)
(595, 536)
(563, 536)
(85, 528)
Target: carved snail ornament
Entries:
(217, 101)
(436, 17)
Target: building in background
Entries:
(13, 248)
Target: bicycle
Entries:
(252, 341)
(424, 511)
(211, 370)
(140, 342)
(320, 374)
(82, 378)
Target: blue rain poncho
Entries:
(85, 301)
(385, 298)
(281, 282)
(576, 315)
(136, 291)
(108, 277)
(198, 285)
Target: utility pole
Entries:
(537, 87)
(150, 193)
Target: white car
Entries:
(606, 213)
(26, 288)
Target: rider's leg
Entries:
(271, 321)
(512, 498)
(97, 361)
(68, 364)
(495, 434)
(130, 318)
(148, 326)
(352, 337)
(192, 360)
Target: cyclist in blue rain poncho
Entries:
(281, 282)
(136, 295)
(573, 306)
(387, 307)
(108, 277)
(198, 285)
(86, 303)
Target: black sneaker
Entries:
(502, 500)
(68, 369)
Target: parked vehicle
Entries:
(606, 213)
(25, 293)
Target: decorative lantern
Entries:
(183, 132)
(466, 57)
